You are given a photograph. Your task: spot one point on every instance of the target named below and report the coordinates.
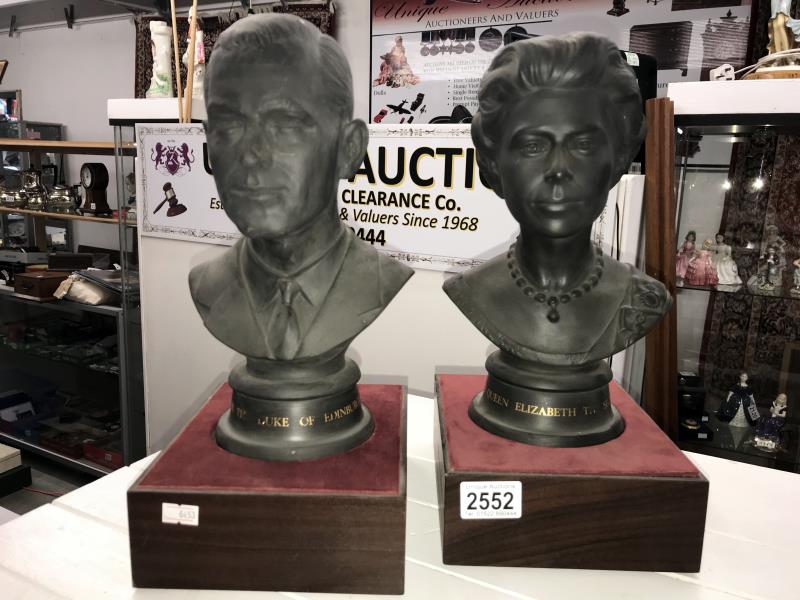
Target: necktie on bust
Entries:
(284, 329)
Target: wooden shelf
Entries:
(77, 463)
(66, 147)
(51, 215)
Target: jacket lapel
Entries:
(357, 290)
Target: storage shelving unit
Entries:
(115, 381)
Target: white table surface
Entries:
(77, 547)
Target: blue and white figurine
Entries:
(768, 432)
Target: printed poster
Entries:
(427, 56)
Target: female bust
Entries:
(559, 121)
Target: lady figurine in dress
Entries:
(701, 270)
(685, 254)
(795, 291)
(727, 271)
(739, 407)
(559, 120)
(768, 432)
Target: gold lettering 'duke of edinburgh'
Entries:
(304, 421)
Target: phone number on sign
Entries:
(378, 236)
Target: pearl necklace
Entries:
(553, 300)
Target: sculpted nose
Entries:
(255, 152)
(557, 175)
(558, 171)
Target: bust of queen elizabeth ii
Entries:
(558, 124)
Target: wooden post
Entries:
(660, 388)
(177, 61)
(40, 232)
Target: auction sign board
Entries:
(418, 196)
(427, 56)
(176, 196)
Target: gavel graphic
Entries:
(175, 207)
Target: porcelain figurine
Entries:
(727, 271)
(296, 289)
(559, 121)
(739, 407)
(774, 269)
(795, 291)
(199, 62)
(773, 238)
(161, 47)
(701, 270)
(784, 31)
(685, 254)
(768, 431)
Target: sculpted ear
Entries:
(353, 147)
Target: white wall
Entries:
(65, 77)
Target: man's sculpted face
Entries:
(273, 145)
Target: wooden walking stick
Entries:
(177, 61)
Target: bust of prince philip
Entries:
(296, 289)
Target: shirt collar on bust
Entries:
(314, 281)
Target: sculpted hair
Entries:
(574, 61)
(287, 39)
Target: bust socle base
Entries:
(553, 406)
(294, 410)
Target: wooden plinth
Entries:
(634, 503)
(335, 524)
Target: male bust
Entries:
(280, 135)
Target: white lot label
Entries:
(491, 499)
(180, 514)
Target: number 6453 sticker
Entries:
(491, 499)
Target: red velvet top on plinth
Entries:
(642, 449)
(194, 461)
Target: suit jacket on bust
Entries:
(365, 283)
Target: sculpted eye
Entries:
(225, 127)
(533, 147)
(584, 145)
(288, 121)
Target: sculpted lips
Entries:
(257, 193)
(555, 201)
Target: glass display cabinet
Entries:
(18, 230)
(71, 385)
(63, 385)
(737, 270)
